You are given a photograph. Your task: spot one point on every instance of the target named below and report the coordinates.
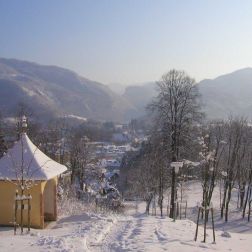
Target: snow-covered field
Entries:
(133, 231)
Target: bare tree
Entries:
(235, 154)
(248, 192)
(212, 149)
(79, 158)
(147, 172)
(176, 108)
(143, 177)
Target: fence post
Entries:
(29, 212)
(185, 209)
(196, 233)
(213, 225)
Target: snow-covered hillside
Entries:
(134, 231)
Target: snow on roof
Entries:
(36, 165)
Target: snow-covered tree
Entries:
(79, 158)
(236, 138)
(212, 149)
(176, 109)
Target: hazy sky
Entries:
(129, 41)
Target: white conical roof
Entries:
(35, 165)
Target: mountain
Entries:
(54, 91)
(229, 94)
(117, 88)
(140, 96)
(51, 91)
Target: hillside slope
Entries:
(54, 91)
(229, 94)
(140, 96)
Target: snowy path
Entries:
(148, 233)
(138, 232)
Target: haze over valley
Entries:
(52, 91)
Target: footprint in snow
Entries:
(161, 236)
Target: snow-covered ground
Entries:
(153, 233)
(134, 231)
(73, 233)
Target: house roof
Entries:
(35, 165)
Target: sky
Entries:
(129, 41)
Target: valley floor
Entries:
(132, 231)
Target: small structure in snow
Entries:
(39, 173)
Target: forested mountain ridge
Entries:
(54, 91)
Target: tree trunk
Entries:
(228, 200)
(81, 180)
(224, 199)
(161, 196)
(245, 203)
(203, 202)
(242, 194)
(161, 206)
(172, 208)
(148, 202)
(249, 210)
(205, 221)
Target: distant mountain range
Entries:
(139, 96)
(229, 94)
(51, 91)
